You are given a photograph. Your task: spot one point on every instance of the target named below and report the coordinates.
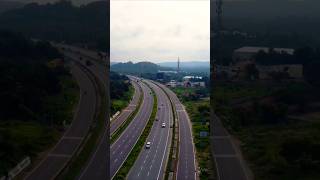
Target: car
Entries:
(148, 145)
(163, 125)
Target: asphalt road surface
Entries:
(64, 149)
(122, 147)
(97, 167)
(228, 162)
(152, 162)
(118, 121)
(186, 169)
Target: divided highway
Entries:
(55, 161)
(118, 121)
(122, 147)
(152, 162)
(95, 169)
(186, 169)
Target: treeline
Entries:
(138, 68)
(26, 78)
(61, 21)
(119, 91)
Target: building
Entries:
(248, 53)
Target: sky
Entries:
(159, 31)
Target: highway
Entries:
(151, 163)
(228, 162)
(186, 169)
(55, 161)
(117, 122)
(95, 169)
(122, 147)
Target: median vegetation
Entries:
(174, 147)
(124, 170)
(124, 125)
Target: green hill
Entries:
(138, 68)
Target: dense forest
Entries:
(34, 97)
(61, 21)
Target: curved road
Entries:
(186, 169)
(122, 147)
(152, 162)
(118, 121)
(95, 169)
(65, 148)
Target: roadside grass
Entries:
(123, 126)
(199, 113)
(29, 138)
(24, 139)
(281, 151)
(90, 143)
(124, 170)
(123, 102)
(290, 151)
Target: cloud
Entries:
(160, 30)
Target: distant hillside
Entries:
(9, 5)
(137, 68)
(61, 21)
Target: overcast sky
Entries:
(160, 31)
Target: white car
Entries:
(148, 145)
(163, 125)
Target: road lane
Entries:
(122, 147)
(64, 149)
(117, 122)
(152, 162)
(228, 162)
(96, 168)
(186, 169)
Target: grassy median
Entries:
(124, 170)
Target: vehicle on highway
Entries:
(163, 125)
(148, 145)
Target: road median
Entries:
(125, 124)
(125, 168)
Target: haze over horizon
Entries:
(160, 31)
